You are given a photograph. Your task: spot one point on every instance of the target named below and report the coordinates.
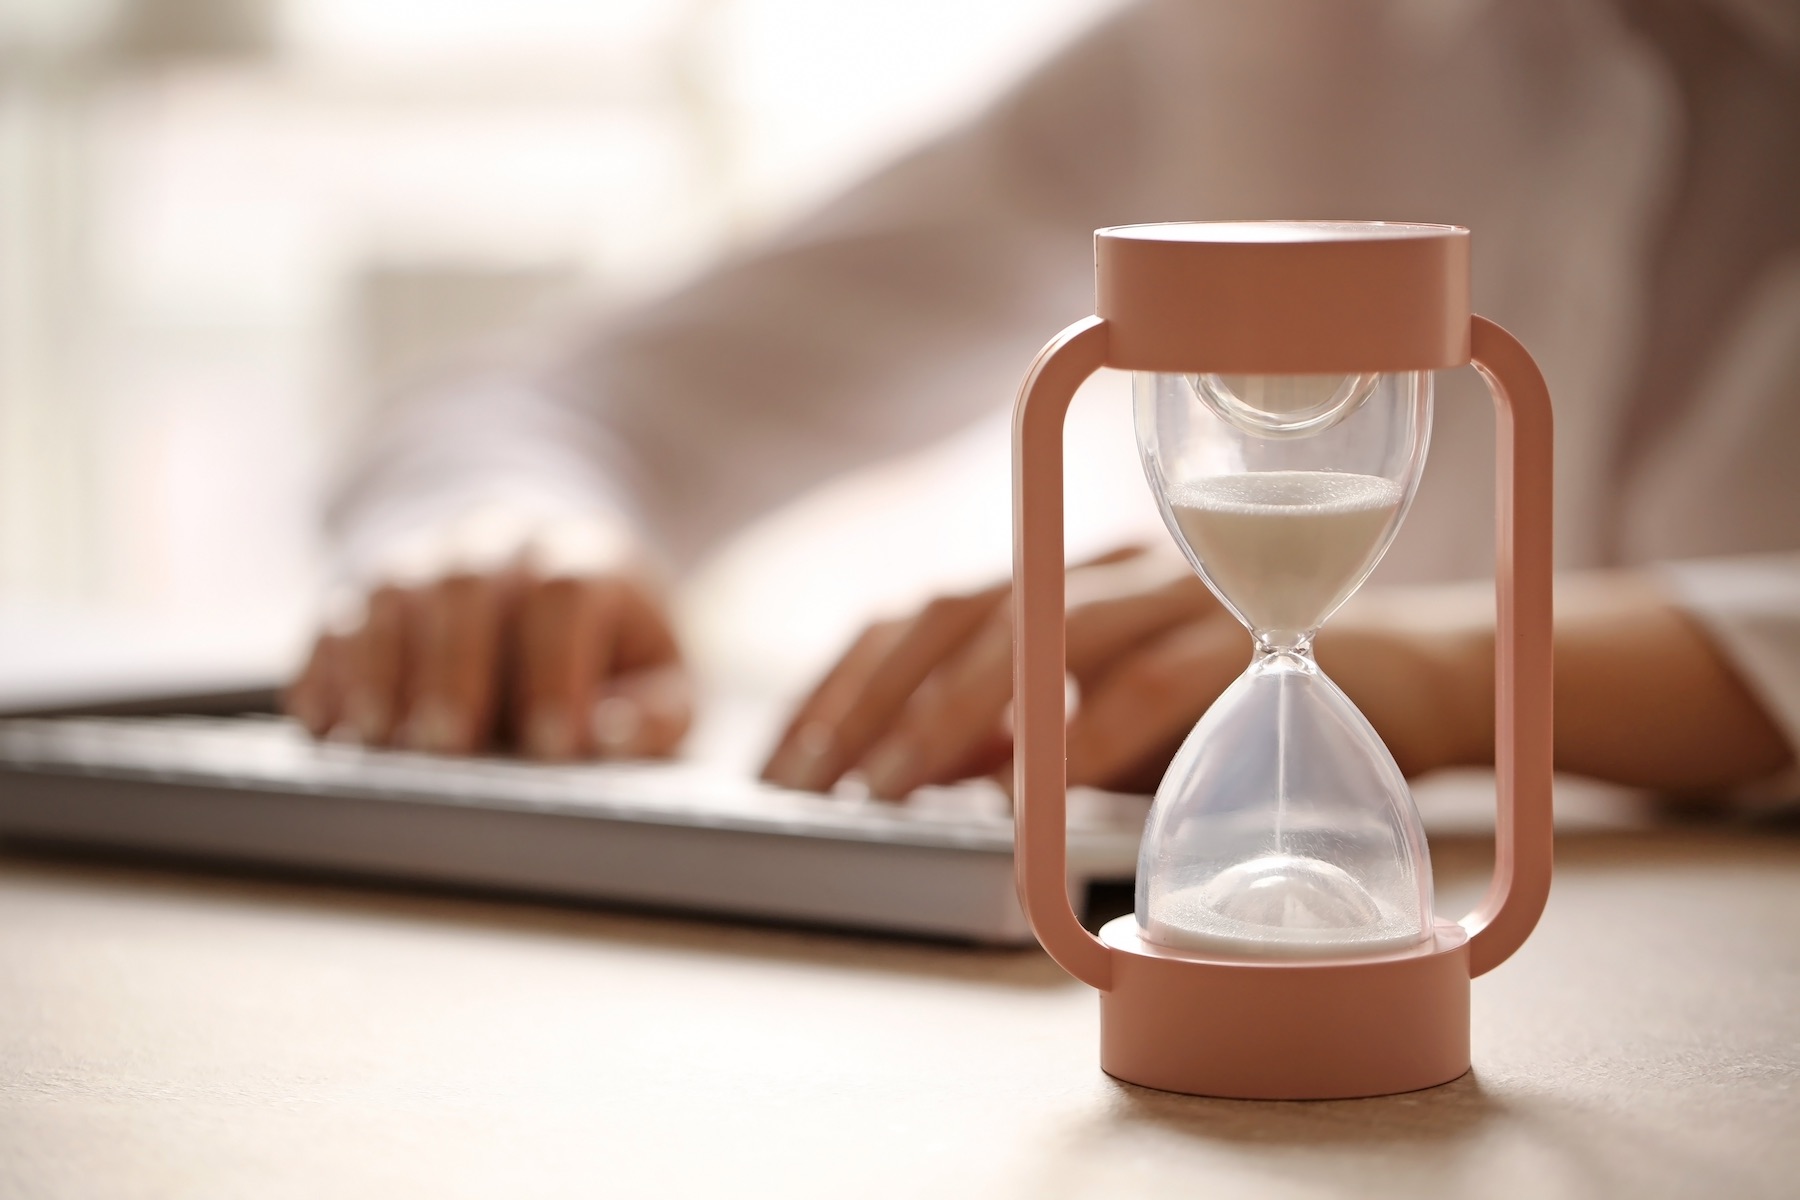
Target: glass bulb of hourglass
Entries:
(1284, 826)
(1283, 405)
(1285, 548)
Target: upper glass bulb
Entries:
(1283, 405)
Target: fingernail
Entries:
(615, 724)
(549, 734)
(888, 770)
(433, 728)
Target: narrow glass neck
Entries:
(1281, 644)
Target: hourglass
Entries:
(1284, 943)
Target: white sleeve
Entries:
(467, 471)
(911, 306)
(900, 312)
(1751, 608)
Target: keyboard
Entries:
(670, 835)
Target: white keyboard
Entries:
(673, 835)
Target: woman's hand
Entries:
(924, 699)
(1643, 696)
(557, 659)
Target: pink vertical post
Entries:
(1524, 679)
(1040, 773)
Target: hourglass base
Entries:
(1285, 1030)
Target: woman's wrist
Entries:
(1419, 663)
(1459, 665)
(1643, 697)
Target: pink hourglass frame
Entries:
(1286, 298)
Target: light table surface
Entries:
(186, 1035)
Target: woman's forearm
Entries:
(1643, 696)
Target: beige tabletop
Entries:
(169, 1034)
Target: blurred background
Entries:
(227, 227)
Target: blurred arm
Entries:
(896, 314)
(1647, 693)
(522, 518)
(906, 308)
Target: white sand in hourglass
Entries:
(1285, 547)
(1281, 904)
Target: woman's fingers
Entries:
(954, 722)
(457, 629)
(805, 755)
(1134, 716)
(951, 716)
(923, 701)
(597, 670)
(315, 698)
(644, 704)
(376, 662)
(564, 667)
(1114, 608)
(864, 694)
(590, 665)
(643, 713)
(562, 643)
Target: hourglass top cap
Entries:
(1283, 297)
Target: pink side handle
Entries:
(1040, 774)
(1523, 674)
